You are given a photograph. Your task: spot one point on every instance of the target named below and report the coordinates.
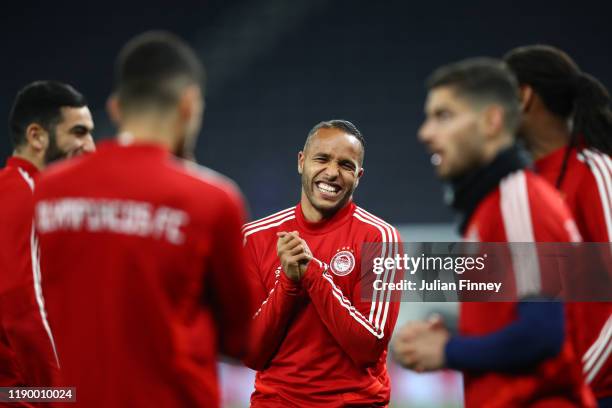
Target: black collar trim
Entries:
(466, 192)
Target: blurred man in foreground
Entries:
(143, 257)
(511, 354)
(49, 121)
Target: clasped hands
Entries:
(293, 253)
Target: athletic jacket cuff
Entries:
(314, 271)
(289, 287)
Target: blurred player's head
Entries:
(553, 86)
(472, 111)
(49, 121)
(331, 165)
(158, 85)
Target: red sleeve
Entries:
(362, 328)
(595, 206)
(271, 312)
(9, 373)
(22, 303)
(30, 336)
(540, 216)
(229, 290)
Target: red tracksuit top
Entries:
(524, 208)
(318, 343)
(587, 189)
(142, 263)
(27, 351)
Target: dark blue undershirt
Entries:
(537, 334)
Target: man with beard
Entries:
(567, 126)
(315, 340)
(143, 268)
(49, 121)
(511, 354)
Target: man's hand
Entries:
(420, 345)
(293, 253)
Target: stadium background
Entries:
(277, 67)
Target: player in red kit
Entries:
(143, 257)
(511, 354)
(49, 121)
(316, 342)
(574, 157)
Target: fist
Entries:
(420, 346)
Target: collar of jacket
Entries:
(464, 193)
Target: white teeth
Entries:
(327, 188)
(436, 159)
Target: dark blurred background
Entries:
(277, 67)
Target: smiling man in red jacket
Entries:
(49, 121)
(316, 342)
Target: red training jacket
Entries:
(142, 264)
(28, 355)
(587, 189)
(524, 208)
(317, 343)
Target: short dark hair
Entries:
(41, 102)
(340, 124)
(482, 80)
(152, 68)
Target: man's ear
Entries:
(359, 175)
(112, 107)
(37, 137)
(493, 120)
(188, 102)
(526, 96)
(300, 162)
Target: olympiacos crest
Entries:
(342, 263)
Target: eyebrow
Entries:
(347, 161)
(437, 110)
(342, 161)
(81, 128)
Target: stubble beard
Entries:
(327, 212)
